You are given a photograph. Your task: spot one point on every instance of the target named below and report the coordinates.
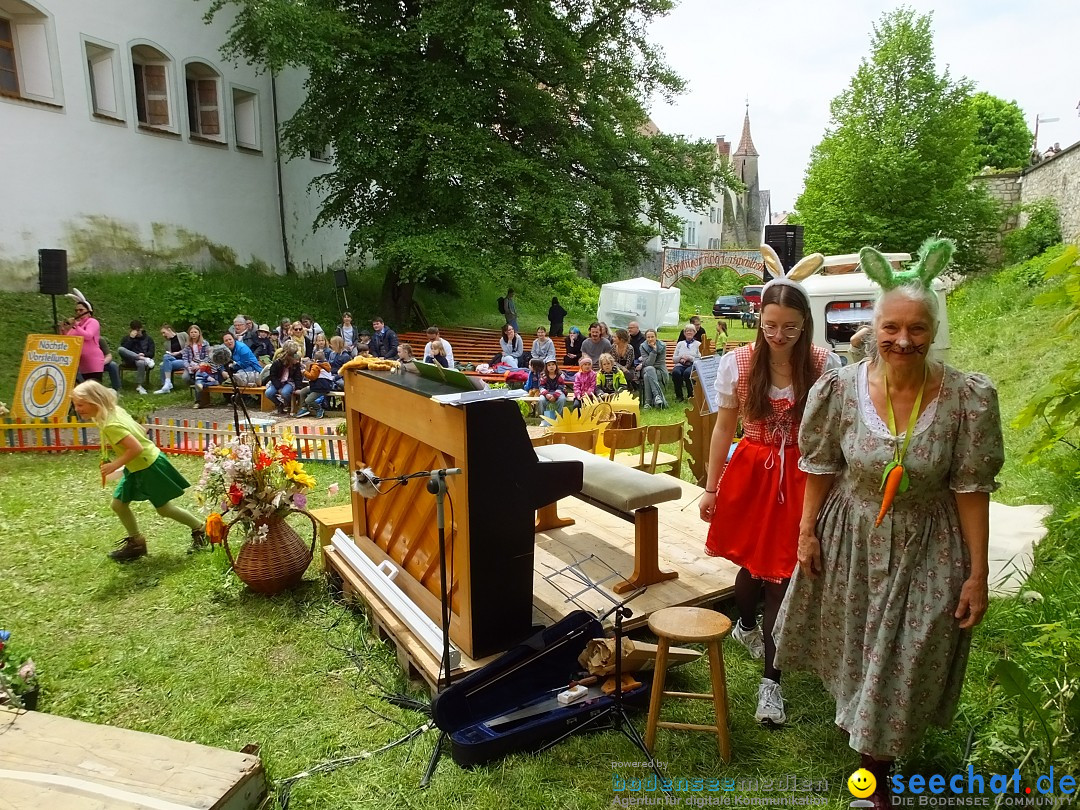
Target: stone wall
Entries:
(1059, 179)
(1005, 189)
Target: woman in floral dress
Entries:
(883, 613)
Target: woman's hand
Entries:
(809, 554)
(108, 468)
(973, 599)
(706, 506)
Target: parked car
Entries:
(729, 306)
(752, 293)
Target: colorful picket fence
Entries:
(47, 435)
(182, 436)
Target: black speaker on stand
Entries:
(787, 241)
(341, 282)
(53, 277)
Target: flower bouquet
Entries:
(18, 677)
(259, 486)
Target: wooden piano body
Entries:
(395, 428)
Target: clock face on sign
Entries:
(44, 392)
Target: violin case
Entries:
(511, 704)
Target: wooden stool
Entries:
(691, 624)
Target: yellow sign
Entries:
(46, 376)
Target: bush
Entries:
(1042, 230)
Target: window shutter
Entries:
(209, 117)
(157, 95)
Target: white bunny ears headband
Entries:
(79, 298)
(804, 268)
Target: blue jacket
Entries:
(244, 359)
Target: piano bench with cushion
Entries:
(624, 492)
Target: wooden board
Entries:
(702, 580)
(52, 761)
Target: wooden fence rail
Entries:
(181, 436)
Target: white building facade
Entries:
(129, 142)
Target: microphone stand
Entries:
(436, 485)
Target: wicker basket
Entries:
(278, 562)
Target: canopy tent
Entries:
(638, 299)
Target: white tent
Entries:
(638, 299)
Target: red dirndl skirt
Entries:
(755, 522)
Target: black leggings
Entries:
(748, 590)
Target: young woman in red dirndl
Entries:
(753, 503)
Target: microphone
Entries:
(366, 483)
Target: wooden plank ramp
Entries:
(565, 560)
(52, 761)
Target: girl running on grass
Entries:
(148, 475)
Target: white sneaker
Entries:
(166, 388)
(751, 639)
(770, 703)
(140, 389)
(149, 362)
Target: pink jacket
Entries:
(584, 383)
(91, 361)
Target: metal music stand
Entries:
(615, 712)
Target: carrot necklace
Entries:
(895, 477)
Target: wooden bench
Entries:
(476, 346)
(252, 391)
(624, 492)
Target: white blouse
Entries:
(727, 380)
(873, 420)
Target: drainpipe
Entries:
(277, 166)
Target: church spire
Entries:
(746, 144)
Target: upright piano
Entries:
(395, 428)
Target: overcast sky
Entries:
(792, 58)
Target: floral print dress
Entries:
(877, 626)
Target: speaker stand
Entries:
(55, 319)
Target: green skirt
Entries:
(159, 483)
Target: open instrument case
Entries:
(511, 704)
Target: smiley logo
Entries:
(861, 783)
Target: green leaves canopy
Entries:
(895, 165)
(468, 134)
(1003, 139)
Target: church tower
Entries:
(745, 164)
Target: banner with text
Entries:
(46, 376)
(689, 262)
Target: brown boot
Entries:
(130, 548)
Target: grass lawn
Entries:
(172, 644)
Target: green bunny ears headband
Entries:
(934, 257)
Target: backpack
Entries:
(501, 304)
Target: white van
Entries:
(842, 303)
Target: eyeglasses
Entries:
(790, 332)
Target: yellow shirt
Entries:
(119, 426)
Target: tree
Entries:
(896, 163)
(1003, 139)
(470, 135)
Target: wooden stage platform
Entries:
(598, 548)
(52, 761)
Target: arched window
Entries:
(203, 86)
(152, 70)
